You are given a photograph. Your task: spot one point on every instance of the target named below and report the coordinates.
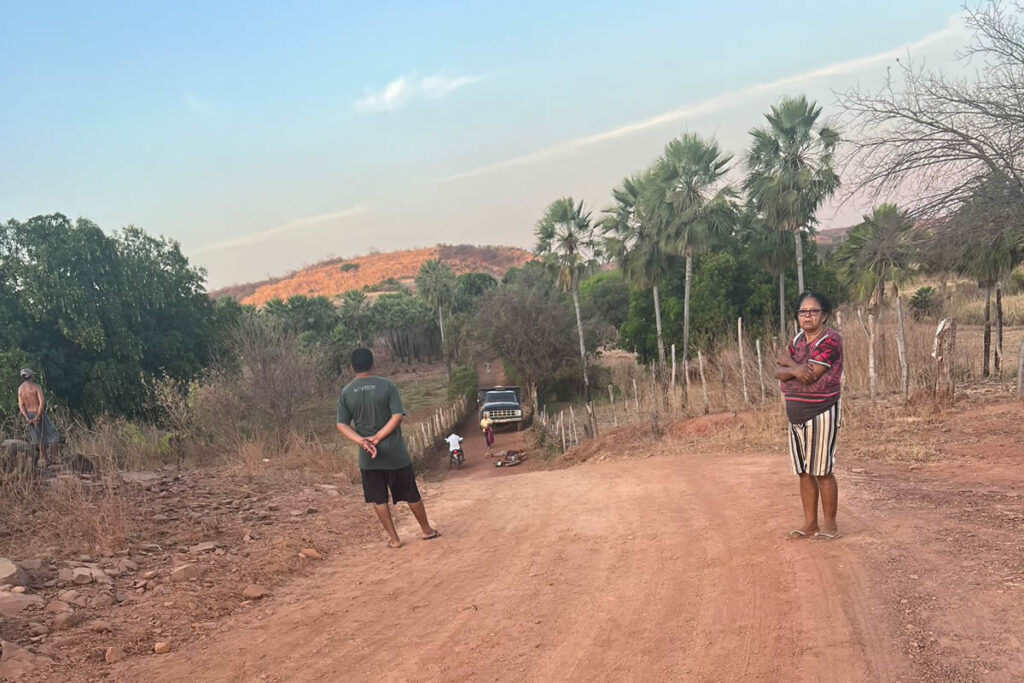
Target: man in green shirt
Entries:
(370, 414)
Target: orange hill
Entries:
(337, 276)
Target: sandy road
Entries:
(666, 568)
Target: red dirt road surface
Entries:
(654, 569)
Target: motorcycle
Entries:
(455, 459)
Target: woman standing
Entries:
(488, 429)
(810, 371)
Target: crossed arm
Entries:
(807, 373)
(369, 443)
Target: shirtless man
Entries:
(32, 405)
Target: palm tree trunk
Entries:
(782, 307)
(800, 262)
(901, 342)
(686, 307)
(657, 324)
(583, 358)
(444, 348)
(987, 343)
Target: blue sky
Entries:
(263, 136)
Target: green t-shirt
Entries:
(368, 403)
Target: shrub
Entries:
(464, 382)
(924, 303)
(348, 267)
(1016, 281)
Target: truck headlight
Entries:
(519, 413)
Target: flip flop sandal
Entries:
(797, 534)
(822, 536)
(432, 536)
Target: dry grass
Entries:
(69, 513)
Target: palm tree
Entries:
(695, 205)
(791, 168)
(771, 251)
(566, 239)
(875, 253)
(355, 313)
(436, 284)
(633, 239)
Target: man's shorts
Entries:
(401, 483)
(42, 432)
(812, 445)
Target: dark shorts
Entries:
(42, 432)
(401, 483)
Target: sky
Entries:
(267, 136)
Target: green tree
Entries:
(100, 314)
(604, 298)
(355, 315)
(791, 169)
(875, 253)
(436, 283)
(542, 342)
(984, 240)
(770, 250)
(567, 242)
(637, 241)
(696, 204)
(471, 286)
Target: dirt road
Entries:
(665, 568)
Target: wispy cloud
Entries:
(269, 233)
(710, 106)
(405, 90)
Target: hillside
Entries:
(337, 276)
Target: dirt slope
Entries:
(337, 276)
(652, 569)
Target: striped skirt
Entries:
(812, 445)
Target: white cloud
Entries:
(406, 89)
(715, 104)
(269, 233)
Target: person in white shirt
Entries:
(454, 442)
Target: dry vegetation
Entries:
(337, 276)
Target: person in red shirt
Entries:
(810, 371)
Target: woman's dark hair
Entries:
(826, 305)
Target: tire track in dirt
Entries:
(663, 568)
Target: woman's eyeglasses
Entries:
(808, 312)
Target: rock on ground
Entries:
(254, 591)
(13, 603)
(11, 573)
(185, 572)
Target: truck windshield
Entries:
(501, 397)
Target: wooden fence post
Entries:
(943, 349)
(611, 399)
(704, 383)
(743, 365)
(636, 400)
(869, 332)
(673, 382)
(760, 369)
(561, 428)
(1020, 370)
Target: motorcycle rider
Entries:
(454, 444)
